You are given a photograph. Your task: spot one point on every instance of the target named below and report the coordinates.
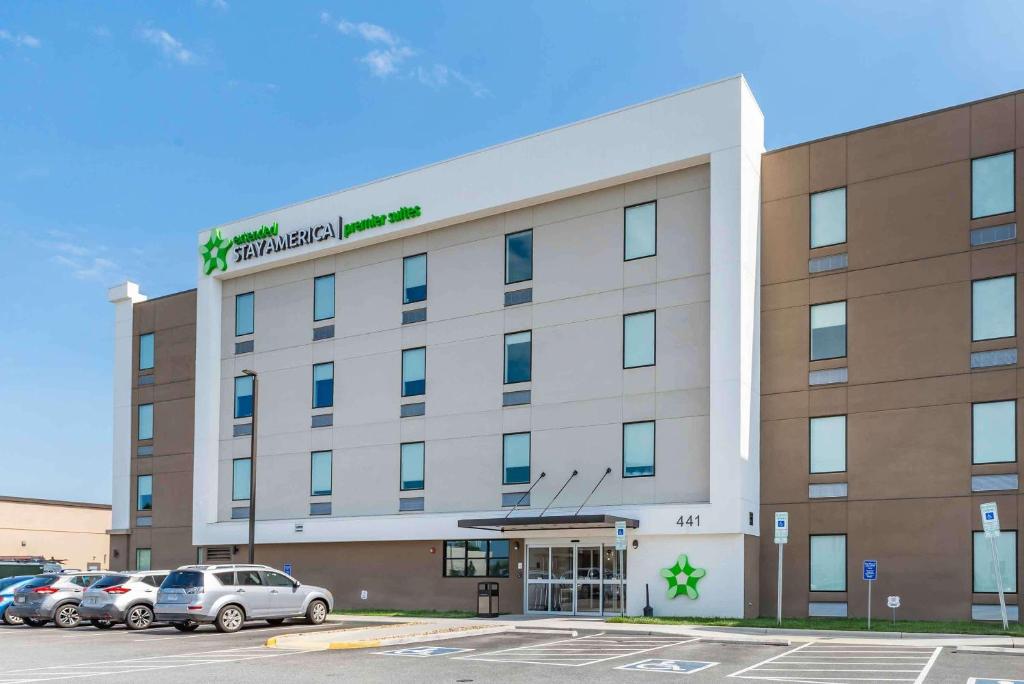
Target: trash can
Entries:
(487, 599)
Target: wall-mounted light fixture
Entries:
(636, 544)
(515, 546)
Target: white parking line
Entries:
(139, 665)
(577, 652)
(829, 663)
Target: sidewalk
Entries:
(402, 630)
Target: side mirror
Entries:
(297, 583)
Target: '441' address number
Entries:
(688, 521)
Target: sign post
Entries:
(781, 537)
(894, 603)
(870, 575)
(990, 523)
(620, 547)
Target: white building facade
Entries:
(474, 370)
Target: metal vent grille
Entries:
(987, 236)
(986, 611)
(992, 483)
(218, 554)
(996, 357)
(827, 490)
(410, 504)
(827, 263)
(828, 376)
(827, 609)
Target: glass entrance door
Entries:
(576, 579)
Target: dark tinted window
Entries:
(276, 579)
(111, 581)
(227, 578)
(519, 257)
(250, 578)
(183, 579)
(42, 581)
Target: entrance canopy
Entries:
(551, 522)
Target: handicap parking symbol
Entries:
(424, 651)
(671, 666)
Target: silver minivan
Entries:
(127, 597)
(230, 595)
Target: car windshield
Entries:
(41, 581)
(109, 581)
(183, 579)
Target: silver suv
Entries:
(53, 598)
(229, 595)
(126, 597)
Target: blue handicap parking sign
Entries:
(424, 651)
(870, 570)
(989, 515)
(672, 666)
(287, 568)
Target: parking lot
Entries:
(162, 654)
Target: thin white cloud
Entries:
(19, 39)
(171, 47)
(391, 53)
(221, 5)
(98, 269)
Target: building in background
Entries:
(154, 381)
(69, 532)
(891, 270)
(440, 351)
(472, 370)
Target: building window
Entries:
(641, 231)
(414, 372)
(638, 339)
(244, 320)
(515, 458)
(518, 257)
(145, 421)
(323, 297)
(143, 559)
(412, 467)
(476, 558)
(144, 493)
(828, 331)
(992, 185)
(828, 562)
(993, 308)
(320, 473)
(638, 449)
(323, 385)
(243, 396)
(828, 444)
(828, 218)
(241, 472)
(146, 351)
(518, 357)
(414, 279)
(984, 573)
(994, 432)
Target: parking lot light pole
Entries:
(252, 464)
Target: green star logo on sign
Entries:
(215, 252)
(682, 578)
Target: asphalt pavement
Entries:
(163, 655)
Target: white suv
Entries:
(229, 595)
(127, 598)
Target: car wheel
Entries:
(317, 612)
(67, 616)
(189, 626)
(229, 619)
(32, 622)
(102, 624)
(11, 619)
(139, 617)
(275, 621)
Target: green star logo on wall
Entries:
(215, 252)
(682, 578)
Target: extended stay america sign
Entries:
(268, 239)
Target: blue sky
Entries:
(127, 127)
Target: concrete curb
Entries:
(307, 642)
(990, 650)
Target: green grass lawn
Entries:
(852, 624)
(383, 612)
